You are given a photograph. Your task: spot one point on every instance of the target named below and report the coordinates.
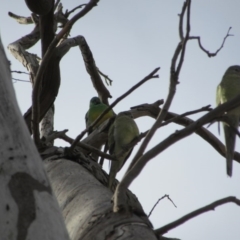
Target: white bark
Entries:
(47, 125)
(29, 209)
(86, 205)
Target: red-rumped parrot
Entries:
(121, 133)
(229, 88)
(96, 107)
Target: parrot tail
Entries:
(230, 138)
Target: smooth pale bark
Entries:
(29, 209)
(47, 125)
(86, 205)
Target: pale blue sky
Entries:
(128, 40)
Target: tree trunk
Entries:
(86, 205)
(29, 209)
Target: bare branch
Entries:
(174, 74)
(19, 80)
(56, 4)
(62, 135)
(167, 238)
(180, 28)
(42, 67)
(119, 198)
(148, 77)
(67, 13)
(173, 138)
(173, 82)
(152, 110)
(206, 51)
(92, 70)
(165, 196)
(175, 119)
(88, 147)
(107, 79)
(20, 72)
(20, 19)
(170, 120)
(210, 207)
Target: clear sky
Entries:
(128, 40)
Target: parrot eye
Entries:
(237, 69)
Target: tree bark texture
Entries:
(29, 209)
(85, 201)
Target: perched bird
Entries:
(122, 132)
(96, 107)
(229, 88)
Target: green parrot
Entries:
(96, 107)
(229, 88)
(122, 132)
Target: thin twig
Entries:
(20, 72)
(73, 10)
(165, 196)
(210, 207)
(171, 120)
(62, 135)
(206, 108)
(19, 80)
(107, 79)
(206, 51)
(184, 44)
(42, 67)
(148, 77)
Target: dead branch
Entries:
(92, 70)
(175, 119)
(60, 17)
(107, 79)
(43, 66)
(148, 77)
(210, 207)
(180, 27)
(68, 13)
(152, 110)
(206, 51)
(165, 196)
(139, 158)
(174, 74)
(20, 72)
(20, 80)
(20, 19)
(85, 146)
(173, 138)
